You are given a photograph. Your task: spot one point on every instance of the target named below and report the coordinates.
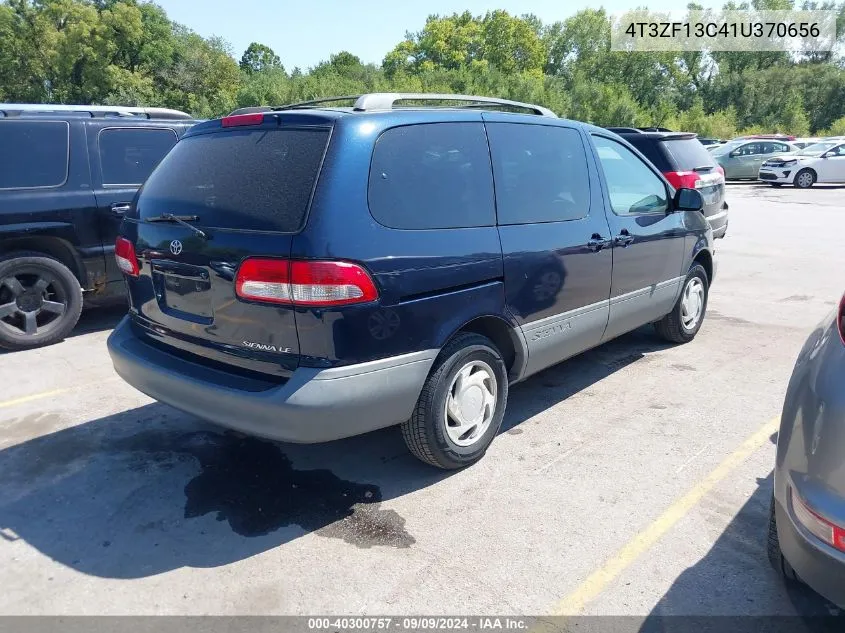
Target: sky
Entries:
(304, 34)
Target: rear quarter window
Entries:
(33, 154)
(432, 176)
(653, 150)
(129, 155)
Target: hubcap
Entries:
(692, 303)
(471, 403)
(805, 180)
(31, 302)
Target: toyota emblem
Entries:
(175, 247)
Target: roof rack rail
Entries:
(387, 101)
(18, 109)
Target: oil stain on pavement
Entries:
(251, 484)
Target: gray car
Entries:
(742, 158)
(807, 519)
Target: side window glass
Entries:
(751, 149)
(33, 154)
(780, 147)
(540, 173)
(839, 151)
(633, 187)
(128, 156)
(432, 176)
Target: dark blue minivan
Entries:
(311, 272)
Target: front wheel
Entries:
(683, 322)
(461, 406)
(40, 301)
(805, 179)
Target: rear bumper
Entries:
(817, 564)
(718, 220)
(314, 405)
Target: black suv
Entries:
(685, 162)
(310, 272)
(67, 176)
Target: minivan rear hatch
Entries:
(221, 196)
(695, 167)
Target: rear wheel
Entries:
(461, 406)
(40, 301)
(683, 322)
(805, 179)
(776, 557)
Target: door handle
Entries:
(596, 243)
(624, 238)
(120, 208)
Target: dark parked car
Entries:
(807, 519)
(67, 176)
(710, 141)
(334, 270)
(686, 163)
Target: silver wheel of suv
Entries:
(692, 303)
(471, 403)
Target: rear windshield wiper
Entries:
(703, 168)
(180, 219)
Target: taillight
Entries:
(840, 319)
(828, 532)
(124, 254)
(304, 283)
(237, 120)
(721, 170)
(683, 179)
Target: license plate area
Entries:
(183, 290)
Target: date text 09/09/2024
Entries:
(725, 29)
(415, 623)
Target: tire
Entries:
(426, 433)
(802, 181)
(676, 326)
(773, 550)
(56, 306)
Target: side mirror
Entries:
(688, 200)
(734, 153)
(827, 155)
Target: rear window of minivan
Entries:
(688, 154)
(256, 179)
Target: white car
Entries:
(821, 162)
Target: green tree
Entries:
(258, 57)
